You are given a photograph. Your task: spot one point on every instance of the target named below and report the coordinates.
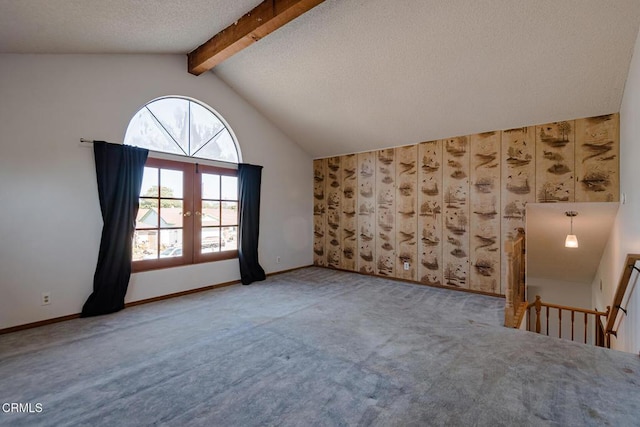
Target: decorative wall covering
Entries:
(517, 183)
(348, 220)
(455, 181)
(407, 215)
(366, 201)
(333, 191)
(319, 212)
(555, 149)
(597, 153)
(366, 262)
(484, 188)
(430, 213)
(445, 207)
(385, 233)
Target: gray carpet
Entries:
(313, 347)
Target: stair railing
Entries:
(516, 306)
(581, 315)
(629, 266)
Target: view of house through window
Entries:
(188, 212)
(219, 212)
(159, 225)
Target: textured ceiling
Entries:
(114, 26)
(548, 226)
(357, 75)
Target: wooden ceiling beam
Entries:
(264, 19)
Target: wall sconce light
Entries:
(571, 241)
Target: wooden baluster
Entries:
(538, 308)
(573, 313)
(585, 328)
(599, 329)
(528, 318)
(547, 320)
(559, 323)
(607, 336)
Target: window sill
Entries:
(150, 265)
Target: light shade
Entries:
(571, 241)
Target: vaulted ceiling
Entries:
(358, 75)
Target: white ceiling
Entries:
(114, 26)
(357, 75)
(548, 226)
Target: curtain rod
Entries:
(91, 141)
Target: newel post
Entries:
(508, 291)
(538, 305)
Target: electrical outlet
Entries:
(46, 298)
(277, 260)
(406, 265)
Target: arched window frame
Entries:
(194, 244)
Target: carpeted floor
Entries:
(313, 347)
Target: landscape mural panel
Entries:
(430, 212)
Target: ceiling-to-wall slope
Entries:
(361, 75)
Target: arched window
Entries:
(184, 127)
(188, 210)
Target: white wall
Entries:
(49, 213)
(625, 237)
(560, 292)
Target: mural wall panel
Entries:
(456, 212)
(333, 191)
(598, 159)
(385, 235)
(485, 221)
(555, 151)
(430, 212)
(349, 221)
(407, 216)
(518, 183)
(319, 211)
(366, 212)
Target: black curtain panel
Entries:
(119, 170)
(249, 178)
